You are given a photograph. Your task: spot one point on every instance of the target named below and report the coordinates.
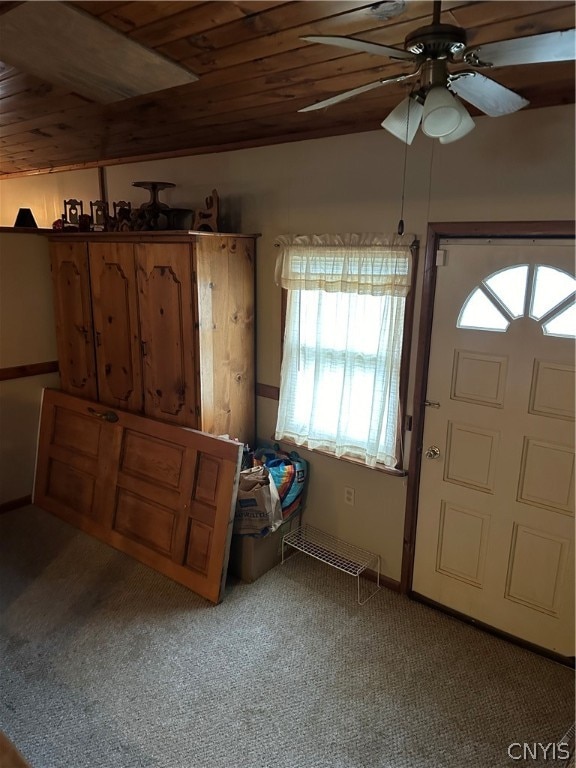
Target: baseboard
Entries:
(566, 661)
(8, 506)
(385, 581)
(30, 369)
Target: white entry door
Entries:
(495, 530)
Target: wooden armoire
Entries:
(155, 332)
(160, 324)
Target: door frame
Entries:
(436, 231)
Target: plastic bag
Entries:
(289, 472)
(258, 508)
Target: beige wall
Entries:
(519, 167)
(27, 335)
(45, 195)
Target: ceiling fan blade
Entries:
(361, 46)
(355, 91)
(486, 94)
(537, 49)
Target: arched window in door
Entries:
(545, 294)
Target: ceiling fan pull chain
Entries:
(401, 222)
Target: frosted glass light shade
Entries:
(466, 125)
(404, 119)
(441, 114)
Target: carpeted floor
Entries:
(106, 664)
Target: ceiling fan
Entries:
(433, 102)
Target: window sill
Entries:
(348, 459)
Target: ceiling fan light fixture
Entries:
(466, 125)
(434, 49)
(442, 113)
(404, 120)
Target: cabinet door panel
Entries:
(225, 275)
(114, 304)
(75, 339)
(167, 331)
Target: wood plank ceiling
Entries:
(254, 74)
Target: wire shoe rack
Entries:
(335, 552)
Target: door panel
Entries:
(462, 542)
(114, 304)
(145, 521)
(74, 333)
(162, 494)
(168, 332)
(72, 470)
(495, 530)
(479, 378)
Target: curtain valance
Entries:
(372, 264)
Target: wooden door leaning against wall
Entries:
(162, 494)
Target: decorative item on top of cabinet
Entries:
(152, 215)
(159, 323)
(73, 209)
(99, 215)
(206, 220)
(121, 220)
(25, 218)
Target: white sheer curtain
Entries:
(343, 343)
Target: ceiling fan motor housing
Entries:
(437, 41)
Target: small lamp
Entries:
(25, 219)
(442, 113)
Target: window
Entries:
(340, 382)
(546, 294)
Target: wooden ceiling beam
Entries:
(369, 109)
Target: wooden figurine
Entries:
(84, 222)
(73, 209)
(122, 216)
(206, 220)
(99, 214)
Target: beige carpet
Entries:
(107, 664)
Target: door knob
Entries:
(432, 452)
